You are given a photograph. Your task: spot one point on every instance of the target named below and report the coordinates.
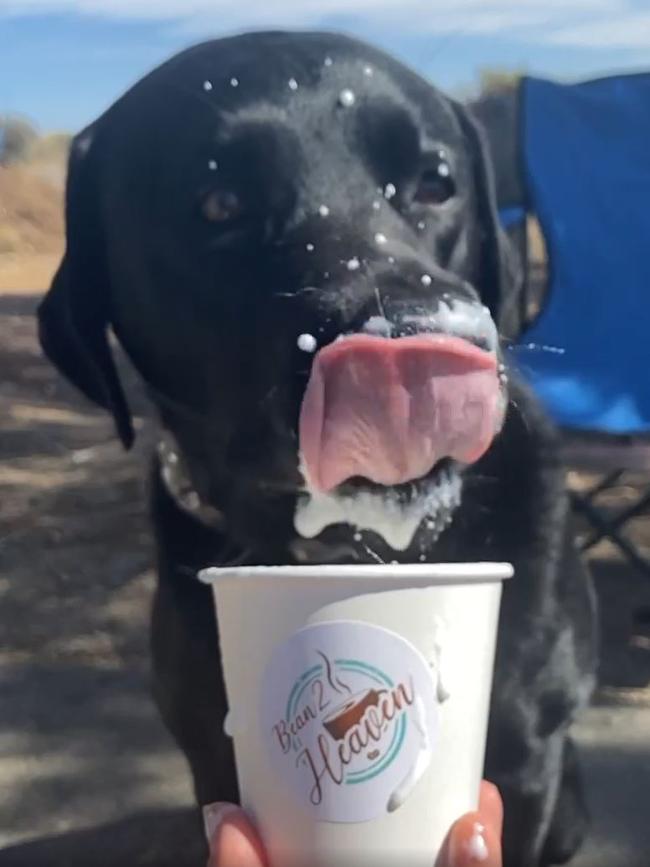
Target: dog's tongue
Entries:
(389, 410)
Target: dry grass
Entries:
(31, 212)
(52, 147)
(27, 275)
(31, 225)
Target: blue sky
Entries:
(63, 61)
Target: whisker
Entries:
(375, 556)
(306, 290)
(380, 305)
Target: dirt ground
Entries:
(88, 776)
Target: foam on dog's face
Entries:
(383, 513)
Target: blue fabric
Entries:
(587, 156)
(512, 216)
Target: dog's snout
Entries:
(407, 304)
(411, 282)
(408, 279)
(472, 322)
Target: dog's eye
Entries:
(221, 206)
(436, 186)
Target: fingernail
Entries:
(477, 849)
(213, 818)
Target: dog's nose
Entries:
(470, 321)
(400, 307)
(409, 285)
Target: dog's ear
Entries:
(74, 315)
(500, 276)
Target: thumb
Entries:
(473, 843)
(232, 839)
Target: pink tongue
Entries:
(389, 410)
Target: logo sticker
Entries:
(349, 716)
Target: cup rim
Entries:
(420, 573)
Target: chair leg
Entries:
(620, 520)
(608, 482)
(606, 530)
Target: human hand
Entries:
(475, 839)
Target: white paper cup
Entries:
(359, 704)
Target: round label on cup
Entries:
(349, 717)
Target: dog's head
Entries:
(294, 238)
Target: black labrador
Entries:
(255, 199)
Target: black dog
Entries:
(251, 198)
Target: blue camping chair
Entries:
(585, 153)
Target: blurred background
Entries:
(87, 773)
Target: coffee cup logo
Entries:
(348, 715)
